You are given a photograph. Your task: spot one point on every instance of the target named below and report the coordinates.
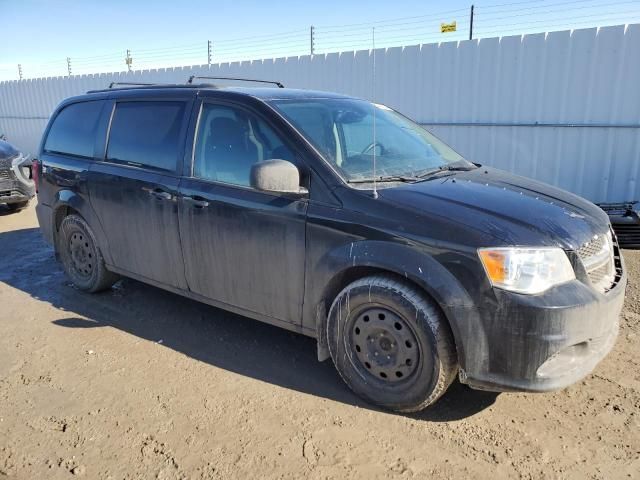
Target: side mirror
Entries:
(278, 176)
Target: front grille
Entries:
(9, 193)
(597, 256)
(598, 274)
(592, 247)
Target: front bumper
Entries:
(13, 196)
(542, 342)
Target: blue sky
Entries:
(40, 34)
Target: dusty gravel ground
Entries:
(141, 383)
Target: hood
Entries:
(514, 210)
(7, 153)
(7, 150)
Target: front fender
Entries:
(417, 264)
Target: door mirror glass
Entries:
(276, 175)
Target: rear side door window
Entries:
(230, 141)
(147, 134)
(73, 131)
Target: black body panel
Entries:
(244, 248)
(138, 211)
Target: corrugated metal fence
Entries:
(562, 107)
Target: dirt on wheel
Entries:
(137, 382)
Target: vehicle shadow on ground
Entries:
(205, 333)
(4, 210)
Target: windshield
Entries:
(342, 130)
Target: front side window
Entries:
(230, 140)
(74, 129)
(342, 130)
(146, 134)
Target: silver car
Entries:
(16, 185)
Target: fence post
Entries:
(312, 40)
(69, 65)
(20, 71)
(128, 60)
(471, 24)
(209, 52)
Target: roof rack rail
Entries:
(192, 77)
(146, 86)
(131, 83)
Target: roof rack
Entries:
(192, 77)
(147, 86)
(131, 83)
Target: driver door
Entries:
(241, 247)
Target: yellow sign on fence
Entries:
(448, 27)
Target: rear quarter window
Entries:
(146, 133)
(73, 130)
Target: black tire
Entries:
(81, 257)
(391, 344)
(14, 207)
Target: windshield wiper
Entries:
(387, 178)
(445, 168)
(451, 167)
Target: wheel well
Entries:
(59, 215)
(62, 212)
(340, 281)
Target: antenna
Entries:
(373, 41)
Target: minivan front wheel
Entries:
(81, 258)
(391, 344)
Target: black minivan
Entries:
(339, 219)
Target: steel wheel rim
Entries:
(82, 254)
(384, 345)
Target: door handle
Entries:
(159, 193)
(197, 202)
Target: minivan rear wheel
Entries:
(81, 257)
(391, 344)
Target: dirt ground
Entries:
(141, 383)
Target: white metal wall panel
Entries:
(499, 101)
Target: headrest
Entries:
(226, 130)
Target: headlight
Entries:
(21, 169)
(526, 270)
